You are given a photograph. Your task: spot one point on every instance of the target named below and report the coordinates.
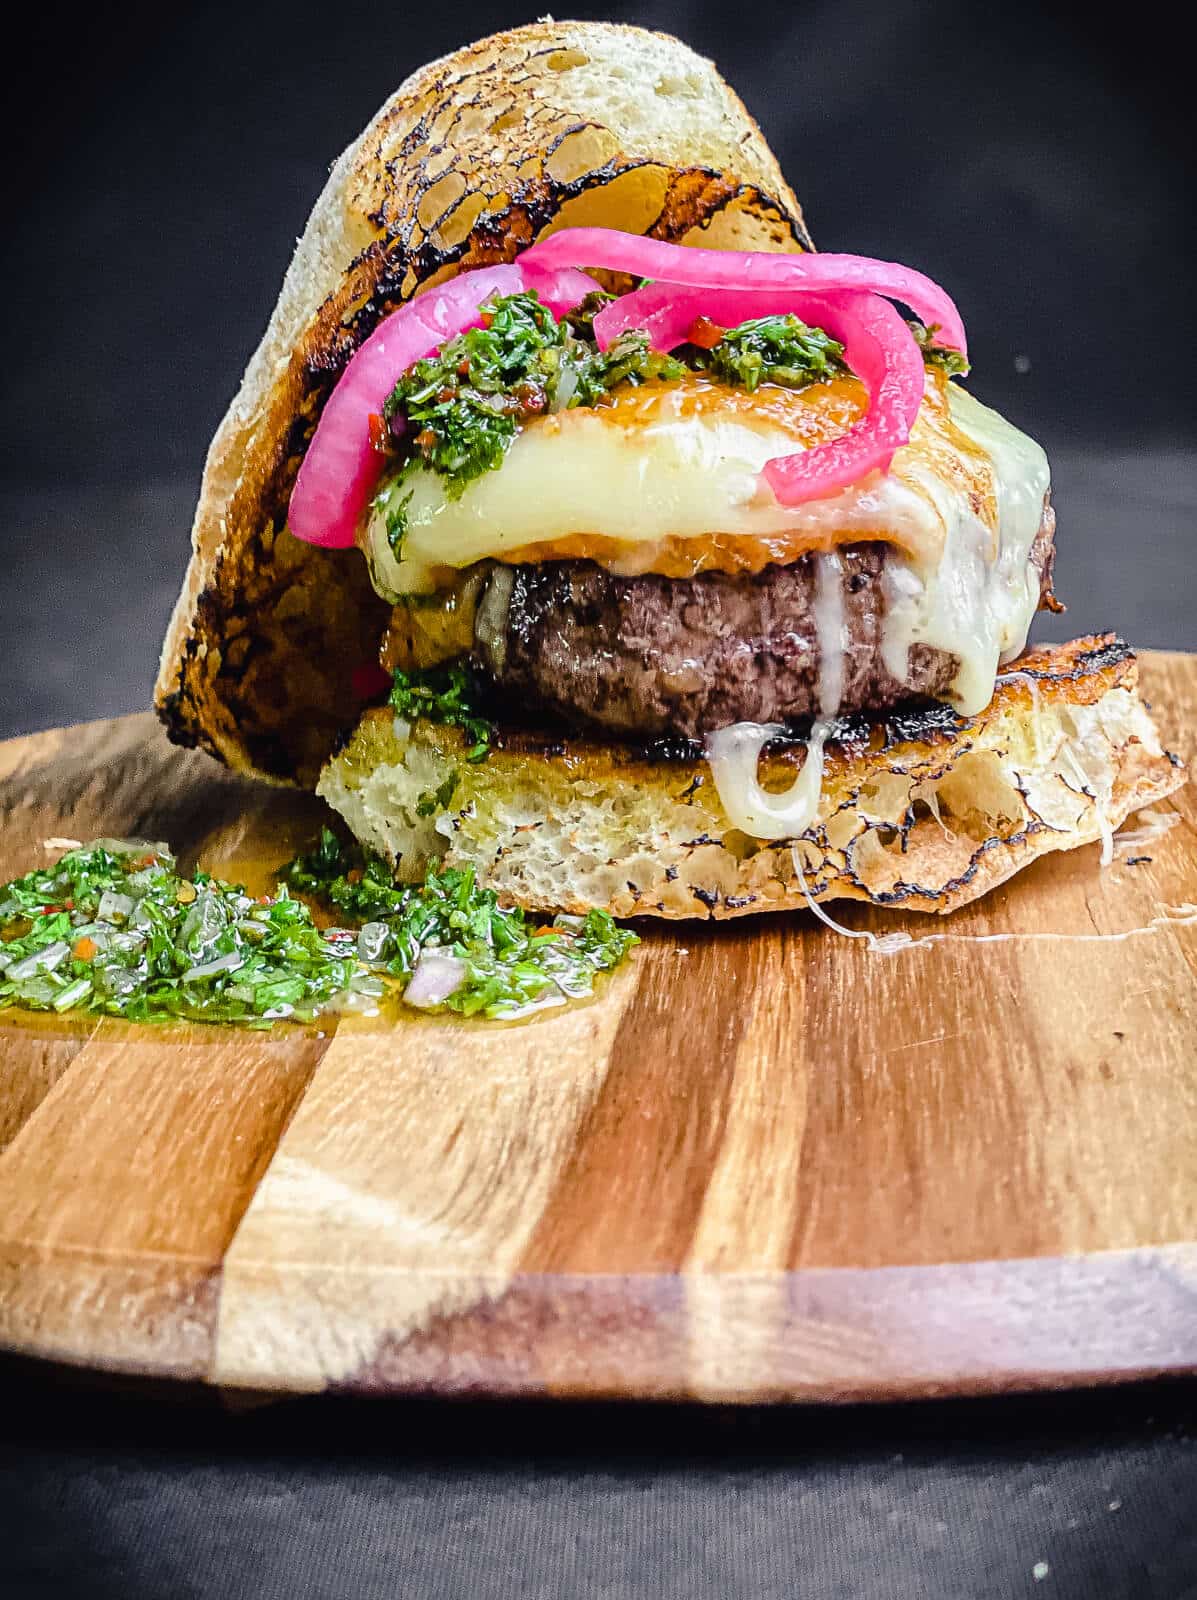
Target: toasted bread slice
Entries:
(474, 157)
(920, 808)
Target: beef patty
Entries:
(650, 656)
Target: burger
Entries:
(578, 523)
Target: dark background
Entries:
(122, 1497)
(160, 163)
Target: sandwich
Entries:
(577, 523)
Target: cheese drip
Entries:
(733, 753)
(971, 604)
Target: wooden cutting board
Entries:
(763, 1163)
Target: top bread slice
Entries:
(474, 157)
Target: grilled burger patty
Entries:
(650, 656)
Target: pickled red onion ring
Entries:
(559, 288)
(339, 473)
(878, 347)
(882, 352)
(735, 269)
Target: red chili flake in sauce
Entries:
(705, 333)
(380, 434)
(529, 396)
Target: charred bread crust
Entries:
(920, 808)
(472, 159)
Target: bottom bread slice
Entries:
(919, 808)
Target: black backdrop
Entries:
(159, 164)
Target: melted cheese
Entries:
(976, 602)
(670, 469)
(734, 753)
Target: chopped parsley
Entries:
(457, 412)
(361, 887)
(628, 359)
(394, 508)
(431, 801)
(780, 349)
(442, 694)
(507, 963)
(937, 355)
(462, 408)
(113, 929)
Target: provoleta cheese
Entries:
(973, 605)
(671, 464)
(977, 603)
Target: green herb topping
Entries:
(394, 508)
(780, 350)
(938, 355)
(114, 929)
(442, 694)
(429, 802)
(463, 407)
(500, 962)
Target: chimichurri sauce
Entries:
(114, 929)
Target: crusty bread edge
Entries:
(331, 244)
(234, 434)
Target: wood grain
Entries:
(121, 1193)
(763, 1163)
